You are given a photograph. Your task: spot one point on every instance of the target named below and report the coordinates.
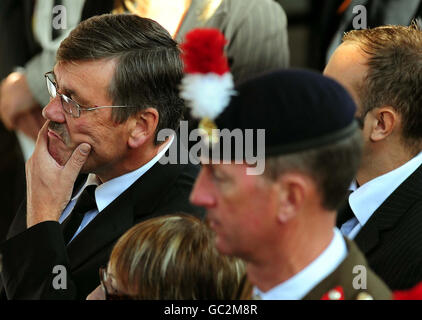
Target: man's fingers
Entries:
(42, 139)
(77, 160)
(41, 155)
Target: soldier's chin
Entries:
(222, 246)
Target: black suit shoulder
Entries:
(182, 189)
(398, 257)
(392, 240)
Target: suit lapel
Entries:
(390, 211)
(134, 204)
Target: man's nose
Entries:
(54, 111)
(201, 195)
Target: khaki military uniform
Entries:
(340, 284)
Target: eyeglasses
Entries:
(105, 281)
(71, 107)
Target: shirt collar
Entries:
(369, 197)
(303, 282)
(106, 192)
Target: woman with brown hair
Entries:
(171, 257)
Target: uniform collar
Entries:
(303, 282)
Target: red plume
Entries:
(203, 52)
(413, 294)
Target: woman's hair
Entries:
(174, 257)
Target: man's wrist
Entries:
(33, 220)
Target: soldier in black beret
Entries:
(281, 220)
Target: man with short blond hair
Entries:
(382, 69)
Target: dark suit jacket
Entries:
(344, 275)
(392, 238)
(29, 255)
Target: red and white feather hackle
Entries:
(208, 84)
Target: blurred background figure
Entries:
(171, 257)
(256, 30)
(16, 46)
(316, 27)
(378, 13)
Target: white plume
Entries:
(207, 94)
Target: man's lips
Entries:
(51, 133)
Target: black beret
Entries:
(298, 109)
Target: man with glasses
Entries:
(114, 86)
(382, 68)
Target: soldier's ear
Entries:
(292, 194)
(142, 127)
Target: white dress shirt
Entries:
(366, 199)
(108, 191)
(303, 282)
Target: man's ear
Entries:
(382, 122)
(142, 127)
(293, 188)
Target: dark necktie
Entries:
(85, 203)
(345, 213)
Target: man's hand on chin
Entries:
(49, 185)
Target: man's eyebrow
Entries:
(74, 96)
(70, 92)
